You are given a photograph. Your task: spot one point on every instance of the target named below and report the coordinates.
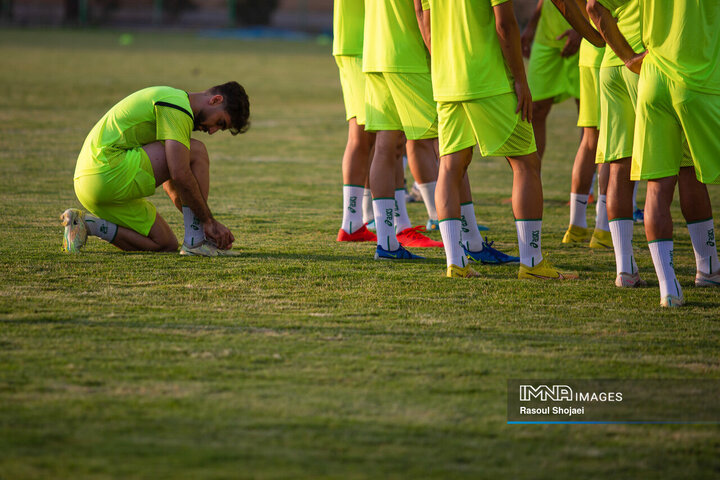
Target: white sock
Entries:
(402, 220)
(368, 215)
(578, 209)
(470, 235)
(384, 223)
(528, 232)
(702, 235)
(450, 231)
(194, 230)
(601, 217)
(427, 190)
(101, 228)
(662, 256)
(635, 189)
(621, 231)
(352, 212)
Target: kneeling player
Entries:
(144, 142)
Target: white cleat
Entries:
(707, 280)
(75, 234)
(671, 301)
(207, 249)
(629, 280)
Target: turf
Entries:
(303, 358)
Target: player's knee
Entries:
(169, 244)
(198, 151)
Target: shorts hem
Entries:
(457, 148)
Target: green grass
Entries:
(303, 358)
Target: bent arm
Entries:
(528, 35)
(576, 15)
(607, 25)
(178, 163)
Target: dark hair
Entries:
(237, 105)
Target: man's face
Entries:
(212, 117)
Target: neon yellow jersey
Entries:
(629, 24)
(551, 25)
(590, 55)
(146, 116)
(683, 40)
(393, 42)
(467, 61)
(348, 16)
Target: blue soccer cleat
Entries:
(482, 228)
(489, 255)
(639, 216)
(432, 225)
(399, 254)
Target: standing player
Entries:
(552, 47)
(483, 97)
(348, 17)
(678, 101)
(144, 142)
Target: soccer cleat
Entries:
(576, 234)
(453, 271)
(412, 237)
(601, 239)
(545, 271)
(482, 228)
(207, 249)
(489, 255)
(705, 280)
(639, 216)
(360, 235)
(414, 195)
(672, 301)
(629, 280)
(399, 254)
(370, 225)
(75, 234)
(432, 225)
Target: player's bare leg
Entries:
(582, 176)
(541, 110)
(160, 239)
(382, 184)
(423, 162)
(355, 167)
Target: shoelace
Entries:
(415, 231)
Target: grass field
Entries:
(303, 358)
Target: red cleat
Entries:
(361, 235)
(411, 237)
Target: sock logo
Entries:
(353, 204)
(581, 203)
(397, 209)
(672, 259)
(464, 224)
(195, 224)
(389, 217)
(535, 238)
(710, 238)
(103, 228)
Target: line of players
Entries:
(453, 70)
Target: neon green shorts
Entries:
(552, 76)
(589, 115)
(618, 94)
(401, 101)
(490, 122)
(669, 113)
(118, 194)
(352, 80)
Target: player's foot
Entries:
(370, 225)
(399, 254)
(489, 255)
(207, 249)
(453, 271)
(360, 235)
(432, 225)
(414, 195)
(545, 271)
(412, 237)
(75, 234)
(672, 301)
(601, 239)
(639, 216)
(576, 234)
(629, 280)
(705, 280)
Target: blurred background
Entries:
(310, 16)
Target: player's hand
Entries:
(572, 42)
(635, 63)
(219, 233)
(524, 106)
(526, 40)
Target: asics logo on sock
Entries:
(195, 224)
(464, 224)
(711, 238)
(389, 217)
(535, 238)
(672, 259)
(103, 229)
(353, 204)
